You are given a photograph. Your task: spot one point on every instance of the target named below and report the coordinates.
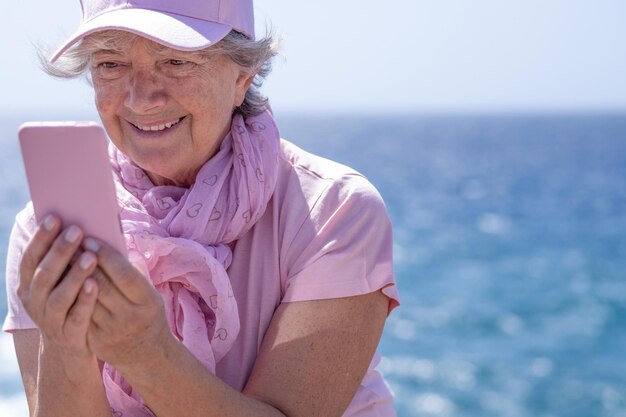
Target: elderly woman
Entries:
(259, 276)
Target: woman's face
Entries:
(167, 110)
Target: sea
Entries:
(510, 256)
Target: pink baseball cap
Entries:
(186, 25)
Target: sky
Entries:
(394, 56)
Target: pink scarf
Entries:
(180, 238)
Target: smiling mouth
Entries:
(157, 128)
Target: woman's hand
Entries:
(55, 287)
(128, 323)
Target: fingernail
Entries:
(87, 260)
(91, 245)
(49, 222)
(72, 234)
(89, 285)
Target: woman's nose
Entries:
(145, 93)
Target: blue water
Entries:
(510, 247)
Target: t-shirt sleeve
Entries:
(23, 229)
(344, 247)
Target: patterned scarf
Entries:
(180, 238)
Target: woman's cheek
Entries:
(107, 105)
(104, 98)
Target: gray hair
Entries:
(255, 56)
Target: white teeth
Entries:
(157, 128)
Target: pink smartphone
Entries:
(69, 175)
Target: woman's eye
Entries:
(108, 70)
(108, 65)
(177, 62)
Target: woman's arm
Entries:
(314, 355)
(311, 362)
(61, 375)
(27, 350)
(55, 384)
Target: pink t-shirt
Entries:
(325, 234)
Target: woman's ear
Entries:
(243, 83)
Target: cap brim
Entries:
(172, 30)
